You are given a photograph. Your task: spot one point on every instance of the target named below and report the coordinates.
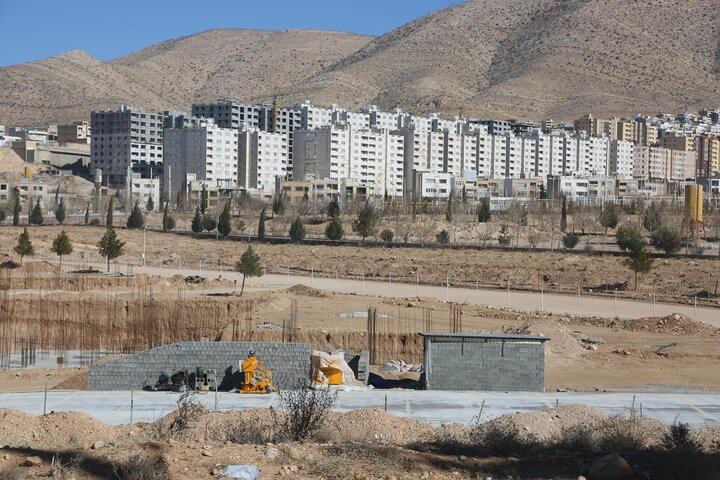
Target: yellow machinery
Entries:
(255, 378)
(694, 207)
(334, 375)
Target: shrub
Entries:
(94, 221)
(504, 237)
(209, 223)
(142, 467)
(629, 238)
(443, 237)
(666, 239)
(188, 410)
(505, 439)
(387, 235)
(570, 240)
(302, 411)
(623, 432)
(678, 437)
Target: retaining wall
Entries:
(286, 361)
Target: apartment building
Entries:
(708, 155)
(596, 127)
(592, 156)
(128, 139)
(206, 153)
(622, 157)
(263, 158)
(78, 132)
(432, 186)
(657, 164)
(677, 141)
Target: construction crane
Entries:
(255, 378)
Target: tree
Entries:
(261, 225)
(334, 230)
(628, 238)
(609, 216)
(570, 240)
(249, 265)
(387, 235)
(543, 192)
(563, 215)
(449, 210)
(297, 230)
(333, 209)
(24, 245)
(36, 216)
(209, 223)
(150, 205)
(639, 261)
(504, 237)
(60, 212)
(366, 222)
(109, 216)
(224, 226)
(278, 205)
(17, 208)
(136, 219)
(3, 214)
(203, 199)
(196, 225)
(666, 239)
(168, 221)
(62, 246)
(443, 237)
(87, 214)
(110, 246)
(652, 217)
(484, 214)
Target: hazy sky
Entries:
(35, 29)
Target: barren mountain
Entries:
(507, 58)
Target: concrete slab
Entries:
(437, 407)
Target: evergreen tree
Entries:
(333, 209)
(366, 222)
(278, 205)
(224, 226)
(87, 214)
(62, 246)
(449, 210)
(387, 235)
(60, 212)
(110, 246)
(652, 217)
(209, 223)
(261, 225)
(36, 216)
(168, 221)
(96, 200)
(197, 221)
(150, 206)
(666, 239)
(543, 192)
(609, 216)
(563, 214)
(297, 230)
(639, 261)
(24, 245)
(334, 230)
(628, 238)
(203, 199)
(504, 237)
(136, 219)
(17, 208)
(109, 216)
(249, 265)
(484, 214)
(443, 237)
(570, 240)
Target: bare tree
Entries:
(425, 230)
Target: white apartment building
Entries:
(262, 158)
(140, 189)
(129, 138)
(208, 152)
(383, 120)
(433, 186)
(622, 156)
(592, 156)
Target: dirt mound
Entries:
(562, 345)
(375, 426)
(55, 430)
(76, 382)
(675, 324)
(306, 291)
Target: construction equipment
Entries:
(330, 374)
(255, 378)
(205, 380)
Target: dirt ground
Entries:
(675, 279)
(363, 444)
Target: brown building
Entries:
(708, 155)
(678, 142)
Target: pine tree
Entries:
(224, 226)
(278, 205)
(609, 216)
(261, 225)
(209, 223)
(334, 230)
(110, 246)
(543, 192)
(484, 214)
(197, 221)
(297, 230)
(87, 214)
(150, 206)
(563, 214)
(203, 199)
(36, 216)
(653, 217)
(449, 209)
(17, 208)
(24, 245)
(109, 216)
(639, 261)
(333, 209)
(136, 219)
(366, 222)
(62, 246)
(168, 221)
(60, 212)
(249, 265)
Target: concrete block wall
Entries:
(286, 361)
(474, 364)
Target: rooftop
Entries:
(488, 336)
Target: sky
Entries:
(34, 29)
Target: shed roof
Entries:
(489, 336)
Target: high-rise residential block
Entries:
(263, 158)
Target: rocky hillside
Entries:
(508, 58)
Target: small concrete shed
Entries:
(484, 361)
